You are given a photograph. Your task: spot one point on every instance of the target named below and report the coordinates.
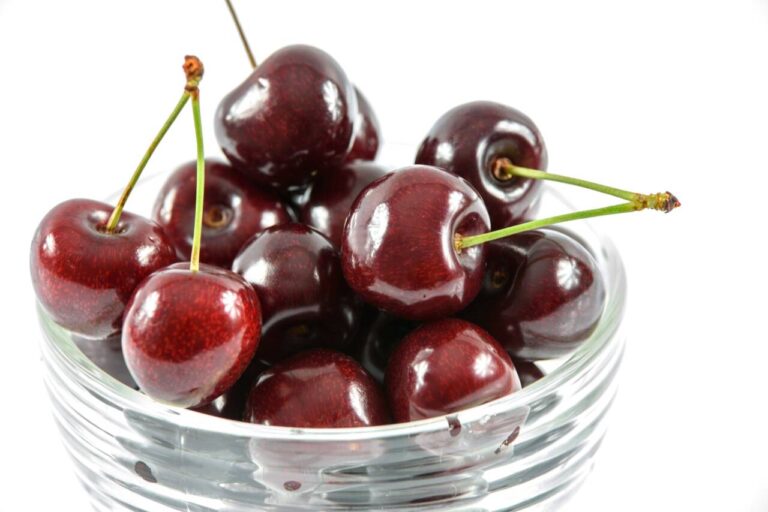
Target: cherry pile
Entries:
(299, 283)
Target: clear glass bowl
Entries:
(526, 451)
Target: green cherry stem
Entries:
(663, 201)
(194, 260)
(242, 34)
(114, 218)
(504, 170)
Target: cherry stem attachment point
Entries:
(242, 34)
(663, 201)
(194, 260)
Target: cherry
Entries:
(542, 296)
(291, 118)
(468, 139)
(367, 133)
(376, 344)
(234, 211)
(87, 257)
(305, 302)
(189, 335)
(83, 275)
(398, 246)
(528, 372)
(331, 196)
(317, 389)
(446, 366)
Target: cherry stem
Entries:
(663, 201)
(194, 261)
(192, 80)
(504, 169)
(242, 34)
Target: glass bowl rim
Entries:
(86, 373)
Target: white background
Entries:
(650, 95)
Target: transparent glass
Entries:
(526, 451)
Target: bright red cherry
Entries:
(332, 194)
(84, 276)
(467, 141)
(543, 294)
(291, 118)
(398, 246)
(446, 366)
(188, 336)
(317, 389)
(233, 212)
(367, 134)
(305, 302)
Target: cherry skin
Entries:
(292, 117)
(468, 139)
(305, 302)
(543, 294)
(84, 276)
(234, 210)
(317, 389)
(398, 243)
(332, 194)
(188, 336)
(446, 366)
(367, 133)
(376, 344)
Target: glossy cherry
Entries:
(379, 340)
(291, 118)
(305, 302)
(543, 294)
(234, 210)
(398, 243)
(367, 133)
(188, 336)
(446, 366)
(468, 139)
(317, 389)
(84, 276)
(332, 194)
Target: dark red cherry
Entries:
(542, 296)
(468, 139)
(317, 389)
(528, 372)
(84, 276)
(188, 336)
(292, 117)
(234, 211)
(367, 133)
(305, 302)
(446, 366)
(398, 243)
(332, 194)
(379, 340)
